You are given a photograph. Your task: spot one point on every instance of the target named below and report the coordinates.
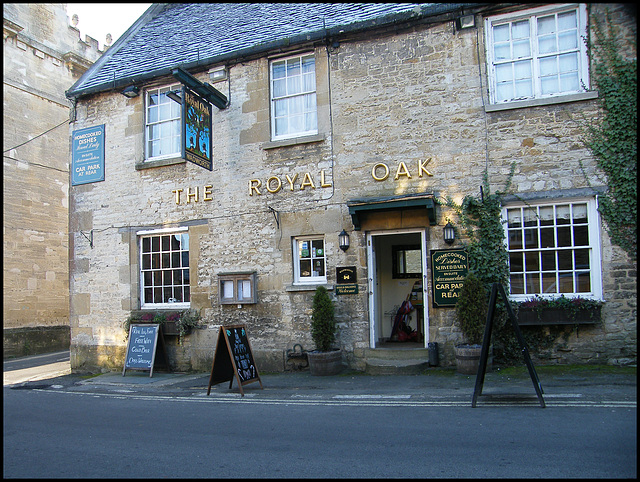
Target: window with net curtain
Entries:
(293, 97)
(537, 56)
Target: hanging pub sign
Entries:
(449, 268)
(197, 146)
(87, 161)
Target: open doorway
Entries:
(397, 267)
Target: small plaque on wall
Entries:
(346, 275)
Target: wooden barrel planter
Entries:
(322, 363)
(468, 359)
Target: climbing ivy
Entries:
(612, 138)
(481, 222)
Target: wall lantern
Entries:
(343, 240)
(131, 91)
(449, 233)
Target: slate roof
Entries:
(199, 34)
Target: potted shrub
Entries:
(471, 314)
(558, 311)
(324, 360)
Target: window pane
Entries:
(548, 66)
(546, 25)
(547, 238)
(521, 48)
(515, 239)
(583, 282)
(520, 29)
(515, 262)
(565, 259)
(504, 73)
(279, 88)
(564, 237)
(501, 33)
(532, 261)
(580, 236)
(514, 218)
(278, 69)
(548, 282)
(566, 283)
(532, 283)
(548, 260)
(502, 52)
(517, 284)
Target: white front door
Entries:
(390, 284)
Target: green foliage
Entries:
(482, 224)
(613, 138)
(323, 325)
(184, 320)
(572, 306)
(471, 309)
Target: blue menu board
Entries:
(87, 162)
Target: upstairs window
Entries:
(293, 97)
(162, 132)
(537, 53)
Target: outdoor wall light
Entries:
(131, 91)
(449, 233)
(343, 240)
(466, 21)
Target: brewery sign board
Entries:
(197, 136)
(449, 268)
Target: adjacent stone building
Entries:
(330, 119)
(43, 56)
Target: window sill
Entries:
(294, 141)
(307, 287)
(521, 104)
(159, 163)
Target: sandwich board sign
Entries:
(142, 346)
(233, 358)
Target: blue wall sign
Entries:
(87, 163)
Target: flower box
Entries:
(558, 316)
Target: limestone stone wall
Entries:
(413, 100)
(42, 55)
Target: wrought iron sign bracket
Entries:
(213, 95)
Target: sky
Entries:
(99, 19)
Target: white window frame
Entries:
(141, 235)
(593, 247)
(300, 278)
(532, 15)
(282, 96)
(167, 126)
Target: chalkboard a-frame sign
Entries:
(233, 358)
(141, 347)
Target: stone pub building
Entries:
(239, 155)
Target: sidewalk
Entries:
(597, 383)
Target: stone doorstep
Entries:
(396, 361)
(379, 366)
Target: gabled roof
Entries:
(192, 35)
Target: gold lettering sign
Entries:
(274, 183)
